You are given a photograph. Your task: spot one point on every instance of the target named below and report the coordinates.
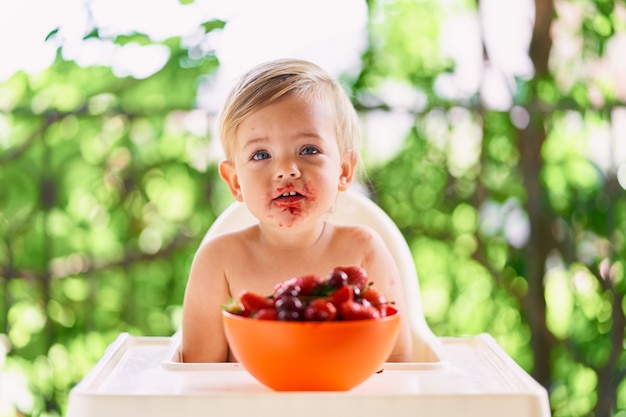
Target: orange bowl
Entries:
(311, 356)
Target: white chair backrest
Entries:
(354, 208)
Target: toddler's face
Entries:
(287, 166)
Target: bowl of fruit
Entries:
(313, 333)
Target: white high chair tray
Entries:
(140, 376)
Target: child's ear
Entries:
(348, 169)
(229, 175)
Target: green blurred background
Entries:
(504, 167)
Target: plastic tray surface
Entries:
(143, 376)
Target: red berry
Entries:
(357, 276)
(308, 283)
(337, 278)
(351, 310)
(252, 302)
(288, 315)
(386, 310)
(288, 290)
(375, 297)
(289, 302)
(320, 310)
(342, 295)
(266, 314)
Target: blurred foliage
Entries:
(106, 189)
(528, 247)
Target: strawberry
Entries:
(351, 310)
(357, 276)
(375, 297)
(386, 310)
(343, 294)
(252, 302)
(306, 283)
(266, 314)
(320, 310)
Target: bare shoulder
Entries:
(364, 245)
(224, 243)
(358, 235)
(216, 256)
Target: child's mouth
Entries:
(288, 198)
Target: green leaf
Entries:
(213, 24)
(51, 34)
(134, 37)
(95, 33)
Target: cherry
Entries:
(292, 290)
(338, 278)
(288, 303)
(287, 315)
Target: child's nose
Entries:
(287, 169)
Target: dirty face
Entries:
(287, 165)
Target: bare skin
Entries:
(259, 269)
(288, 171)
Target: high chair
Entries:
(465, 376)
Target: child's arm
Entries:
(206, 292)
(383, 272)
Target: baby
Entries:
(291, 136)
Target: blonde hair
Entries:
(272, 80)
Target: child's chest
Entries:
(260, 273)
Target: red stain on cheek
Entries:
(310, 191)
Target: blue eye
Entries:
(309, 150)
(260, 155)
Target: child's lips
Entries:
(288, 199)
